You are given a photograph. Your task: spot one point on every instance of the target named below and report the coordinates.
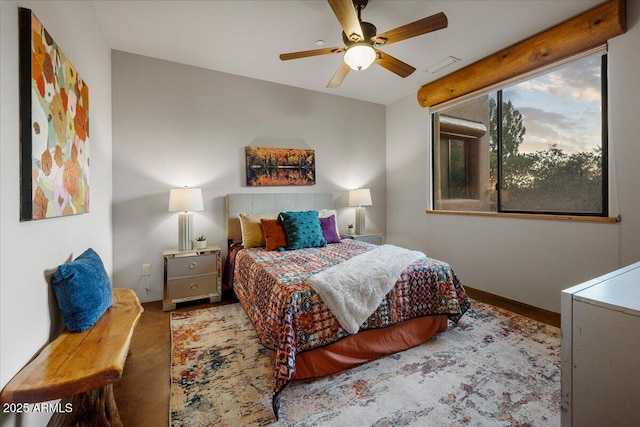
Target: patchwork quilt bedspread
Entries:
(290, 317)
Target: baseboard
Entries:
(539, 314)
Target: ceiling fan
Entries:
(362, 41)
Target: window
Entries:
(539, 146)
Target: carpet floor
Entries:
(494, 368)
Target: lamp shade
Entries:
(360, 197)
(360, 56)
(185, 199)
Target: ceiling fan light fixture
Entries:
(360, 56)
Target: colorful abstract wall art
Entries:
(280, 166)
(54, 127)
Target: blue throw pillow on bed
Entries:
(303, 229)
(83, 291)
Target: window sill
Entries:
(529, 216)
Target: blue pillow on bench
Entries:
(83, 291)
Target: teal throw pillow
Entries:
(83, 291)
(303, 229)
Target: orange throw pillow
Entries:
(274, 234)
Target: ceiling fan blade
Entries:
(339, 76)
(393, 64)
(417, 28)
(315, 52)
(348, 18)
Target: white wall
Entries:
(408, 178)
(526, 260)
(28, 311)
(176, 125)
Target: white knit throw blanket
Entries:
(355, 288)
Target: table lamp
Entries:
(359, 198)
(184, 200)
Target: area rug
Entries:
(494, 368)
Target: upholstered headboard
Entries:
(270, 202)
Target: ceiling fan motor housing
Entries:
(368, 31)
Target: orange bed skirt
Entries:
(367, 345)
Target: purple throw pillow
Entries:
(329, 232)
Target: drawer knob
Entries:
(193, 265)
(194, 286)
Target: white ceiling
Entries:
(245, 37)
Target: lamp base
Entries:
(185, 231)
(360, 224)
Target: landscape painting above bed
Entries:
(280, 166)
(304, 335)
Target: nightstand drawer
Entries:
(188, 266)
(192, 286)
(376, 240)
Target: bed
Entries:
(307, 338)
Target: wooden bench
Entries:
(81, 367)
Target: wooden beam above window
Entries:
(578, 34)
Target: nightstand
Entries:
(192, 275)
(375, 238)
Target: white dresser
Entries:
(601, 351)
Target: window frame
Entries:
(519, 213)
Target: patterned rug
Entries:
(494, 368)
